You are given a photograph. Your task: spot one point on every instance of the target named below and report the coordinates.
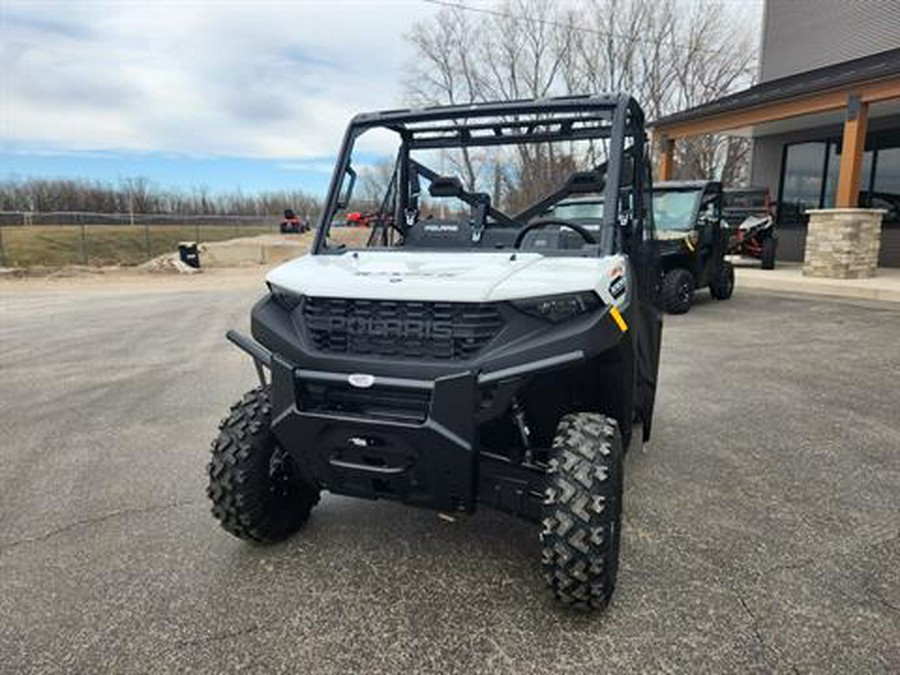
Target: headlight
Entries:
(287, 300)
(558, 308)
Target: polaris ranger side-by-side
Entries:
(692, 241)
(691, 236)
(462, 356)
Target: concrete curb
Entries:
(884, 287)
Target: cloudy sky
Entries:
(226, 94)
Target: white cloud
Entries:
(307, 167)
(261, 79)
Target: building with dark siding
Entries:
(829, 79)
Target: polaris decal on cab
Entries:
(618, 284)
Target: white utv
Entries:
(456, 355)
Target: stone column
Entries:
(842, 243)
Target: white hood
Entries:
(450, 277)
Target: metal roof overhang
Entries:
(872, 79)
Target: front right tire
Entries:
(721, 286)
(677, 291)
(582, 511)
(769, 247)
(257, 491)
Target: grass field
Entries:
(58, 245)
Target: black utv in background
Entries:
(691, 242)
(692, 238)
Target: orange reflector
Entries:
(617, 317)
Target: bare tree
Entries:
(447, 72)
(141, 195)
(713, 58)
(374, 182)
(669, 55)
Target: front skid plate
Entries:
(432, 464)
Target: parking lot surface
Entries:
(761, 534)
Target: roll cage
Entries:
(615, 118)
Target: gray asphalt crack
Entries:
(87, 522)
(224, 635)
(766, 647)
(874, 593)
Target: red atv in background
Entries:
(292, 224)
(751, 220)
(358, 219)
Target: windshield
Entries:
(473, 183)
(461, 198)
(592, 209)
(673, 211)
(756, 199)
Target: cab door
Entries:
(646, 264)
(711, 236)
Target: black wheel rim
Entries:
(281, 474)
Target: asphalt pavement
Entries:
(761, 533)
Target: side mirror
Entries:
(582, 182)
(445, 186)
(349, 183)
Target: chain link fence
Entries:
(79, 238)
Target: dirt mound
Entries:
(168, 263)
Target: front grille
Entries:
(390, 403)
(423, 330)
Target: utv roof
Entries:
(590, 199)
(522, 105)
(686, 184)
(518, 121)
(745, 189)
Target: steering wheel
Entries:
(545, 222)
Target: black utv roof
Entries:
(518, 121)
(736, 190)
(686, 185)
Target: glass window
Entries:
(834, 172)
(802, 180)
(755, 199)
(886, 188)
(865, 174)
(673, 211)
(577, 210)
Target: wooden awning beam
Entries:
(852, 148)
(666, 158)
(871, 92)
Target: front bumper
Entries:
(421, 449)
(406, 430)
